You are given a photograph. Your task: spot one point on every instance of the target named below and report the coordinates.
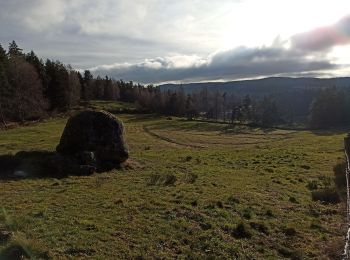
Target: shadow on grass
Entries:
(40, 164)
(330, 131)
(141, 118)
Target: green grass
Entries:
(111, 106)
(237, 194)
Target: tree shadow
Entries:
(141, 118)
(330, 131)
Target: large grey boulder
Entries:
(94, 138)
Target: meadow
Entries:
(191, 190)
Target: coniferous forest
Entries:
(31, 88)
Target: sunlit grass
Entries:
(242, 193)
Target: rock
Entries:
(14, 252)
(87, 158)
(85, 170)
(21, 174)
(5, 236)
(94, 138)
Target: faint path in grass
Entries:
(191, 140)
(166, 139)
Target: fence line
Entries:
(346, 254)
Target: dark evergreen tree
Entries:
(328, 109)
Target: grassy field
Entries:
(191, 190)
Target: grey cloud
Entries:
(323, 38)
(85, 33)
(231, 64)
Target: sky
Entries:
(157, 41)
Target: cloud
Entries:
(180, 34)
(235, 63)
(323, 38)
(307, 54)
(109, 31)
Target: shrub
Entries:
(328, 195)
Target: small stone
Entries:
(21, 174)
(5, 236)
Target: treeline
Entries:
(31, 88)
(209, 105)
(328, 107)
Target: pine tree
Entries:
(14, 50)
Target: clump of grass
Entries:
(269, 213)
(194, 203)
(290, 253)
(312, 185)
(219, 204)
(162, 180)
(242, 230)
(317, 225)
(293, 199)
(289, 231)
(247, 213)
(9, 222)
(188, 158)
(190, 177)
(22, 248)
(269, 170)
(260, 226)
(232, 200)
(327, 195)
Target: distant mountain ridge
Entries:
(260, 87)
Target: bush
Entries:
(328, 195)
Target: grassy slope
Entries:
(118, 214)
